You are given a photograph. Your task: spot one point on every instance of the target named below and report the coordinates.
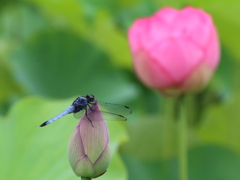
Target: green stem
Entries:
(85, 178)
(183, 143)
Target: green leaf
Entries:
(172, 3)
(30, 152)
(57, 63)
(9, 87)
(151, 139)
(205, 162)
(67, 11)
(103, 32)
(221, 124)
(18, 22)
(213, 162)
(225, 72)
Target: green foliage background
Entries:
(54, 50)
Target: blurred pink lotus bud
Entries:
(88, 150)
(175, 51)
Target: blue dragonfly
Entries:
(81, 104)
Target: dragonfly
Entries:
(115, 111)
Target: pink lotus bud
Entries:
(175, 49)
(88, 150)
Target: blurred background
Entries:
(52, 51)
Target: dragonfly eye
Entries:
(90, 97)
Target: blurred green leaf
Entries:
(151, 139)
(111, 6)
(31, 152)
(205, 162)
(56, 63)
(19, 21)
(9, 86)
(103, 33)
(108, 37)
(68, 12)
(172, 3)
(213, 163)
(150, 169)
(221, 124)
(225, 71)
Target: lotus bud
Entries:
(89, 150)
(175, 51)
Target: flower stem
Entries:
(85, 178)
(182, 140)
(180, 116)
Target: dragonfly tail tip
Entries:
(43, 124)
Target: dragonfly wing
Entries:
(109, 111)
(79, 114)
(116, 109)
(113, 117)
(106, 115)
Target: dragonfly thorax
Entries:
(80, 103)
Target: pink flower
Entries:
(175, 49)
(89, 150)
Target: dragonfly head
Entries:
(90, 97)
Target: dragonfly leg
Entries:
(90, 106)
(88, 117)
(93, 103)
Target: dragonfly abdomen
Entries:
(69, 110)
